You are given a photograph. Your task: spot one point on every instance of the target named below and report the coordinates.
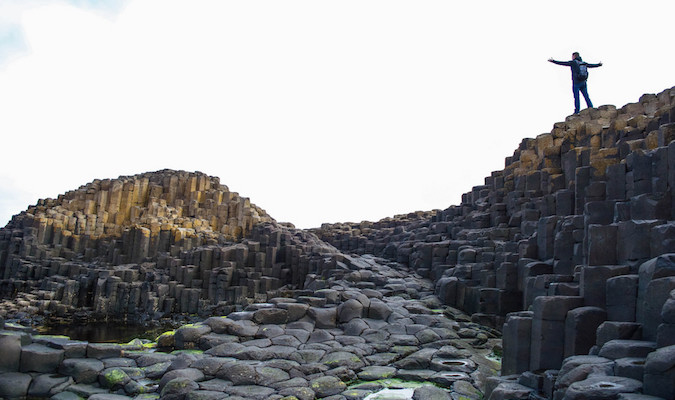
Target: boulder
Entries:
(189, 374)
(10, 348)
(178, 388)
(429, 392)
(14, 385)
(274, 316)
(615, 349)
(602, 387)
(511, 391)
(327, 386)
(659, 373)
(82, 370)
(187, 336)
(349, 310)
(46, 385)
(40, 358)
(324, 318)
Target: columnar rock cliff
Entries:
(147, 246)
(569, 251)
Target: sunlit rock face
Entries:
(147, 246)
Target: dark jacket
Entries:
(574, 65)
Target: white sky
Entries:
(318, 111)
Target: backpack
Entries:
(582, 75)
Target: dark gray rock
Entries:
(510, 391)
(153, 358)
(225, 350)
(214, 385)
(301, 334)
(83, 370)
(630, 368)
(267, 375)
(374, 373)
(72, 348)
(578, 368)
(188, 336)
(621, 292)
(156, 371)
(239, 374)
(118, 362)
(108, 396)
(45, 385)
(415, 374)
(65, 396)
(447, 379)
(343, 359)
(10, 347)
(611, 330)
(242, 328)
(275, 316)
(350, 310)
(656, 268)
(378, 310)
(456, 365)
(429, 392)
(301, 393)
(659, 373)
(320, 336)
(253, 392)
(218, 324)
(104, 350)
(14, 385)
(40, 358)
(324, 318)
(658, 293)
(113, 378)
(580, 329)
(615, 349)
(270, 331)
(420, 359)
(327, 386)
(205, 395)
(86, 390)
(214, 339)
(178, 388)
(211, 365)
(601, 387)
(191, 374)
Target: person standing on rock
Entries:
(579, 78)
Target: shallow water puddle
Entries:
(391, 394)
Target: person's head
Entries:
(576, 55)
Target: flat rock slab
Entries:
(602, 387)
(250, 391)
(343, 359)
(14, 384)
(327, 386)
(40, 358)
(375, 373)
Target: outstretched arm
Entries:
(566, 63)
(594, 65)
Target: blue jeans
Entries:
(576, 88)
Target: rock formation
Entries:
(148, 246)
(569, 251)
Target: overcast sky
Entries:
(318, 111)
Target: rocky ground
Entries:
(344, 336)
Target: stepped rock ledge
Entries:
(554, 279)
